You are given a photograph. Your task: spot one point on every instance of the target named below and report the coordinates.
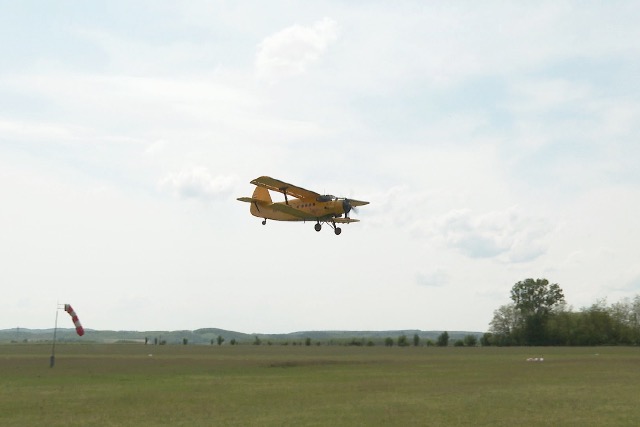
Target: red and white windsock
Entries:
(74, 317)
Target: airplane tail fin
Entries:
(262, 194)
(261, 197)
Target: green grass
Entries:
(122, 385)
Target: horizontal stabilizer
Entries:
(252, 200)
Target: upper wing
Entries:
(282, 187)
(357, 202)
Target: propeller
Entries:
(347, 207)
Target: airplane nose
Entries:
(346, 207)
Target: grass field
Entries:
(137, 385)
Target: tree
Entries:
(388, 342)
(562, 327)
(505, 320)
(503, 326)
(220, 340)
(402, 341)
(357, 342)
(416, 340)
(535, 301)
(470, 340)
(625, 321)
(598, 327)
(540, 316)
(443, 339)
(536, 297)
(487, 339)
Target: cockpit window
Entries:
(325, 198)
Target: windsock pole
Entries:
(52, 359)
(76, 323)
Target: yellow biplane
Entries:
(305, 206)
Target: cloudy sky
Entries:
(496, 141)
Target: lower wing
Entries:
(345, 220)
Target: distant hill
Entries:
(210, 335)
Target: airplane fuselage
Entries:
(313, 210)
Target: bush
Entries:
(470, 340)
(402, 341)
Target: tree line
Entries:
(539, 315)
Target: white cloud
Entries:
(26, 130)
(508, 234)
(197, 183)
(289, 52)
(436, 278)
(548, 95)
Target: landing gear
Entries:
(264, 221)
(332, 224)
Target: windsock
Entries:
(74, 317)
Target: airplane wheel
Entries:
(318, 227)
(338, 230)
(264, 222)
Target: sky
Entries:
(496, 141)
